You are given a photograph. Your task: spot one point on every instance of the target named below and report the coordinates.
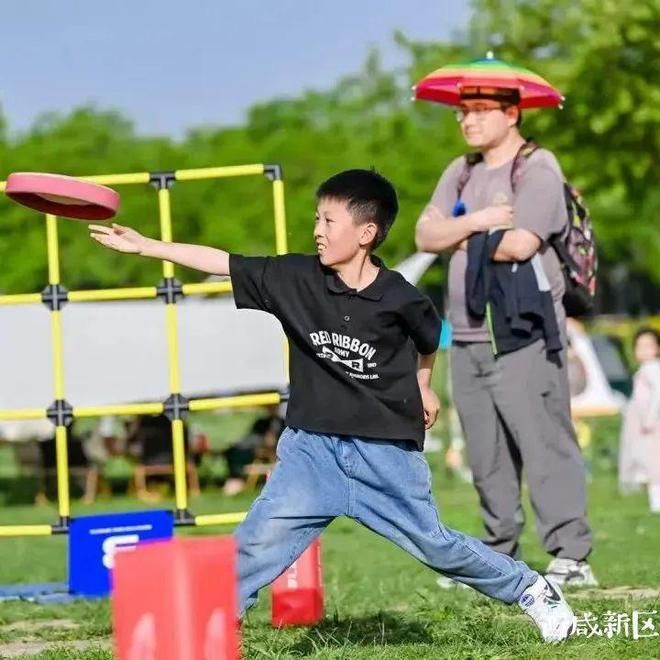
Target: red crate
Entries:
(297, 595)
(176, 600)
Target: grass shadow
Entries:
(381, 629)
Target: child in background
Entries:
(639, 458)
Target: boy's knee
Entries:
(261, 530)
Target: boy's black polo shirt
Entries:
(352, 354)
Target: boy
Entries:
(362, 345)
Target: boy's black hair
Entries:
(647, 330)
(370, 197)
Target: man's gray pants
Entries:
(515, 414)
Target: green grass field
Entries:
(380, 603)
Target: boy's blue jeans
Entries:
(384, 485)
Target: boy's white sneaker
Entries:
(545, 604)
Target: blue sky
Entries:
(171, 65)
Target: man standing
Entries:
(514, 407)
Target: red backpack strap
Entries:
(469, 162)
(527, 149)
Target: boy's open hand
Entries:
(431, 405)
(116, 237)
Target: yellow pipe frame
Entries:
(202, 288)
(155, 408)
(26, 530)
(21, 299)
(119, 179)
(242, 401)
(137, 293)
(63, 499)
(98, 295)
(220, 518)
(280, 217)
(58, 367)
(218, 172)
(179, 453)
(281, 241)
(61, 449)
(24, 413)
(53, 250)
(171, 328)
(173, 349)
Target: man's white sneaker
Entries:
(570, 573)
(447, 583)
(547, 607)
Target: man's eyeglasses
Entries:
(480, 112)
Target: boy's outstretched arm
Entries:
(124, 239)
(430, 400)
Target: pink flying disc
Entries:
(62, 195)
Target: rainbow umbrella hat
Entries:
(445, 85)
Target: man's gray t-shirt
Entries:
(538, 206)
